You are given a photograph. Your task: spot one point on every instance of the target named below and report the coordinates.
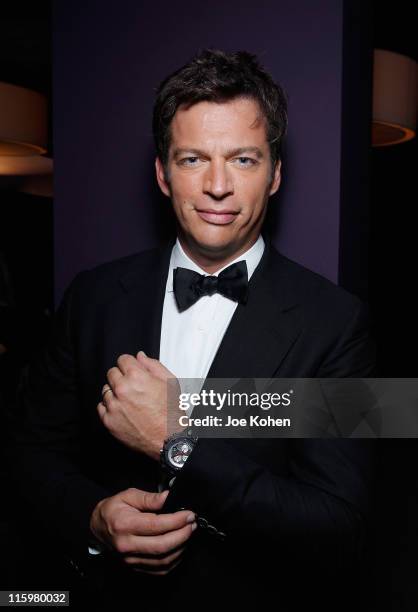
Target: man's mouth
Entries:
(217, 217)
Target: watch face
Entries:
(178, 453)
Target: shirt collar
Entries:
(179, 259)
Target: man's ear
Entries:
(161, 179)
(277, 177)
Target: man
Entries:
(219, 303)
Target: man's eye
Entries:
(189, 161)
(246, 161)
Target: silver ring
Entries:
(105, 391)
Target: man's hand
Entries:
(127, 523)
(135, 410)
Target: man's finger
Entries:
(156, 572)
(126, 362)
(144, 500)
(149, 524)
(101, 409)
(154, 561)
(160, 544)
(113, 374)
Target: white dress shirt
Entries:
(190, 339)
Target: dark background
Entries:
(345, 210)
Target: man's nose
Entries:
(218, 181)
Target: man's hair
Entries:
(216, 76)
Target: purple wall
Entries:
(108, 60)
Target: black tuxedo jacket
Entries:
(289, 509)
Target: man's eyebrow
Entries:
(183, 150)
(231, 153)
(241, 150)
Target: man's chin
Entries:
(216, 251)
(214, 245)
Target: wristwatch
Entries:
(176, 450)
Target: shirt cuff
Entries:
(95, 547)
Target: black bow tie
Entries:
(190, 286)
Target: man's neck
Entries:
(211, 263)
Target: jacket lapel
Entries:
(140, 308)
(263, 330)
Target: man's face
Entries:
(219, 176)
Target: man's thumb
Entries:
(154, 367)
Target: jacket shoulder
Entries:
(304, 285)
(97, 285)
(116, 268)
